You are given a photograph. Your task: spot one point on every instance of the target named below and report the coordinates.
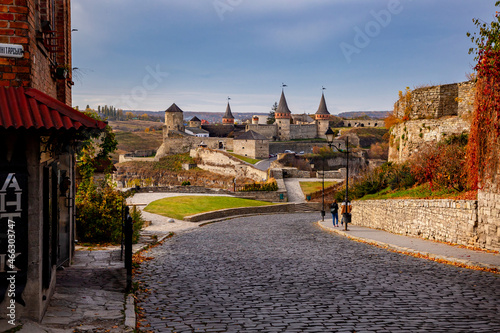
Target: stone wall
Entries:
(488, 233)
(364, 123)
(303, 132)
(455, 99)
(410, 137)
(306, 147)
(271, 196)
(258, 149)
(454, 221)
(225, 164)
(181, 145)
(269, 131)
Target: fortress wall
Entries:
(269, 131)
(184, 144)
(303, 131)
(456, 99)
(410, 137)
(225, 164)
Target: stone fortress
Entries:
(430, 114)
(247, 139)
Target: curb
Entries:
(130, 320)
(415, 253)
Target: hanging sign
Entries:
(11, 50)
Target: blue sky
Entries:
(147, 55)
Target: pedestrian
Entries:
(345, 212)
(334, 209)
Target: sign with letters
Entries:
(13, 236)
(11, 50)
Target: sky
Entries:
(146, 55)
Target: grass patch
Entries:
(312, 187)
(131, 141)
(245, 159)
(180, 207)
(417, 192)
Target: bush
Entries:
(270, 185)
(186, 183)
(442, 165)
(99, 213)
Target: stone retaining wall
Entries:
(271, 196)
(488, 233)
(454, 221)
(225, 164)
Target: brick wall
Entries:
(21, 23)
(454, 221)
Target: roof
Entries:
(251, 135)
(174, 108)
(322, 106)
(223, 131)
(32, 109)
(305, 118)
(196, 130)
(228, 114)
(283, 106)
(195, 119)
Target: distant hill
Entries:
(370, 114)
(216, 117)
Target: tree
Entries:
(99, 206)
(482, 151)
(270, 118)
(129, 115)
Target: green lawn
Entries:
(244, 158)
(311, 187)
(180, 207)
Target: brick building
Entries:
(38, 134)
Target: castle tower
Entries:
(228, 118)
(322, 117)
(174, 119)
(283, 116)
(195, 122)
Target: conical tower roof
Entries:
(174, 108)
(283, 106)
(322, 106)
(228, 114)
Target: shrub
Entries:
(269, 185)
(186, 183)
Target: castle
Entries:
(178, 138)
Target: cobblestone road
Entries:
(281, 273)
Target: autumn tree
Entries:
(483, 155)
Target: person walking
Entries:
(334, 209)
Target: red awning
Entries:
(32, 109)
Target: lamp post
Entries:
(330, 135)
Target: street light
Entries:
(330, 135)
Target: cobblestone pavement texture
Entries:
(89, 296)
(282, 273)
